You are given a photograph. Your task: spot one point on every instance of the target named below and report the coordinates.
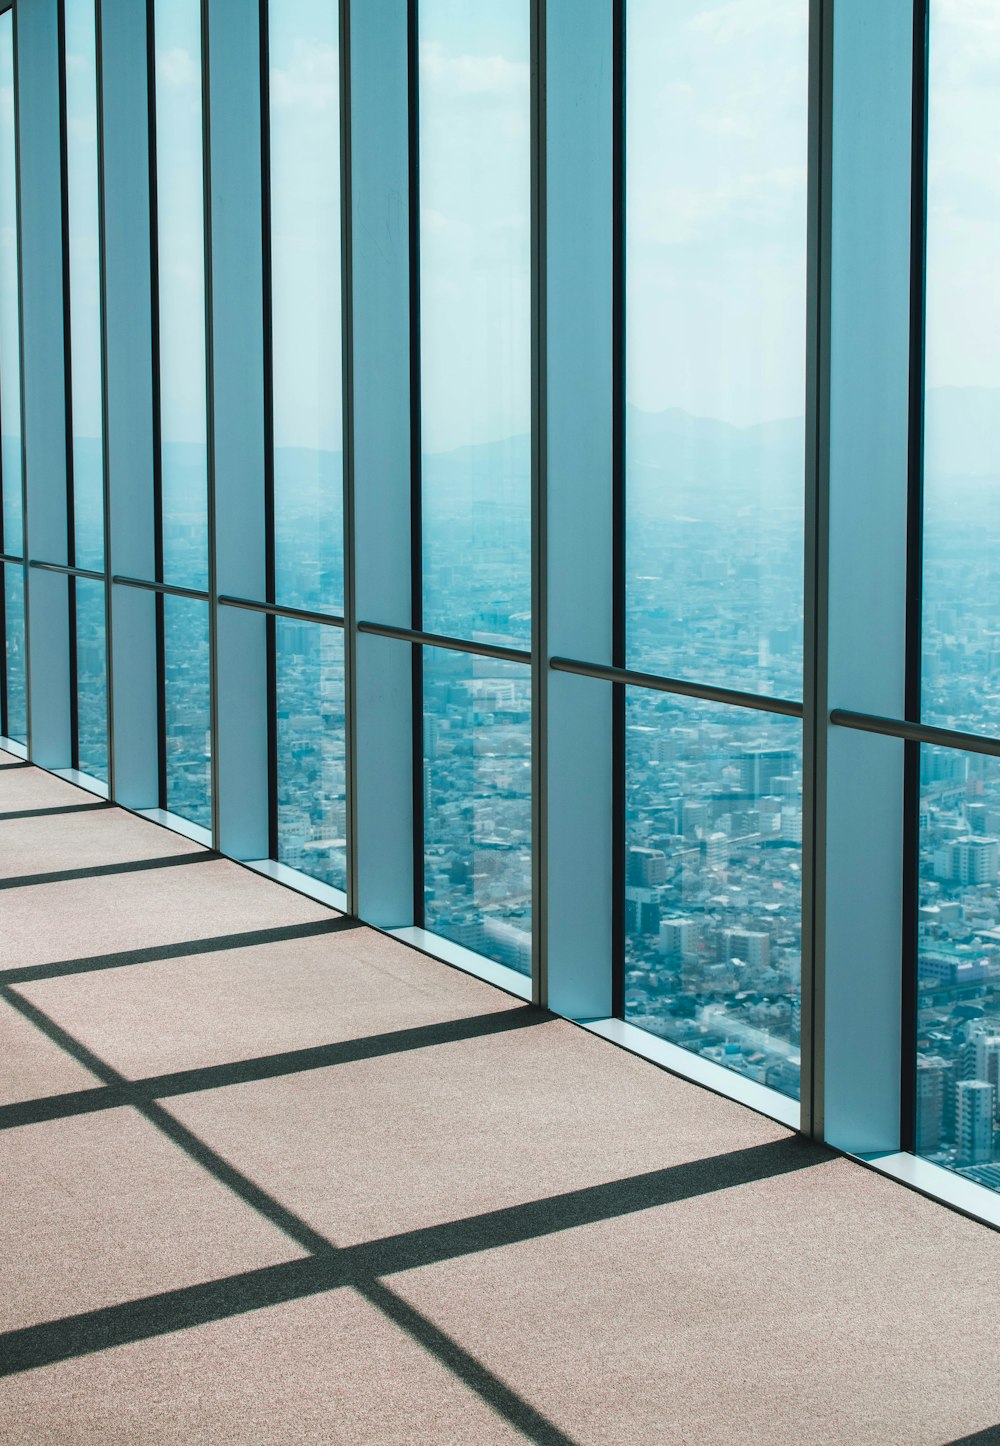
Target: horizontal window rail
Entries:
(168, 588)
(685, 689)
(66, 570)
(12, 559)
(916, 732)
(276, 610)
(437, 640)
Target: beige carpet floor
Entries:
(267, 1176)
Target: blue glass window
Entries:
(312, 763)
(477, 804)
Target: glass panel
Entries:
(10, 346)
(91, 678)
(15, 725)
(961, 665)
(713, 882)
(477, 804)
(716, 330)
(188, 720)
(181, 261)
(958, 1013)
(306, 307)
(312, 763)
(85, 287)
(475, 318)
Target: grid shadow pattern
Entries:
(363, 1268)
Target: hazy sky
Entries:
(305, 223)
(716, 206)
(81, 116)
(181, 256)
(475, 220)
(715, 210)
(9, 390)
(963, 222)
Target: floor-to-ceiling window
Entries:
(958, 899)
(474, 103)
(83, 234)
(304, 174)
(182, 464)
(715, 317)
(475, 293)
(13, 691)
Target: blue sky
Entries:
(963, 228)
(716, 207)
(716, 211)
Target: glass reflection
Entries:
(187, 721)
(84, 287)
(475, 327)
(716, 154)
(181, 263)
(91, 679)
(15, 725)
(10, 344)
(312, 766)
(713, 882)
(477, 805)
(961, 609)
(306, 305)
(958, 990)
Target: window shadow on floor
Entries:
(179, 949)
(264, 1067)
(19, 813)
(101, 871)
(364, 1267)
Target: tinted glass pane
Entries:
(15, 725)
(312, 770)
(961, 673)
(475, 327)
(181, 261)
(477, 804)
(716, 328)
(91, 678)
(10, 349)
(306, 309)
(85, 290)
(958, 1041)
(713, 882)
(188, 720)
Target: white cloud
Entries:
(677, 215)
(177, 69)
(480, 75)
(737, 19)
(310, 81)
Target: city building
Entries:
(974, 1122)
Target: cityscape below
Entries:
(713, 864)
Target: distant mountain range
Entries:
(962, 432)
(678, 462)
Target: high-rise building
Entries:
(752, 946)
(646, 867)
(679, 937)
(931, 1089)
(974, 1122)
(970, 860)
(760, 767)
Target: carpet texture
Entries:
(269, 1176)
